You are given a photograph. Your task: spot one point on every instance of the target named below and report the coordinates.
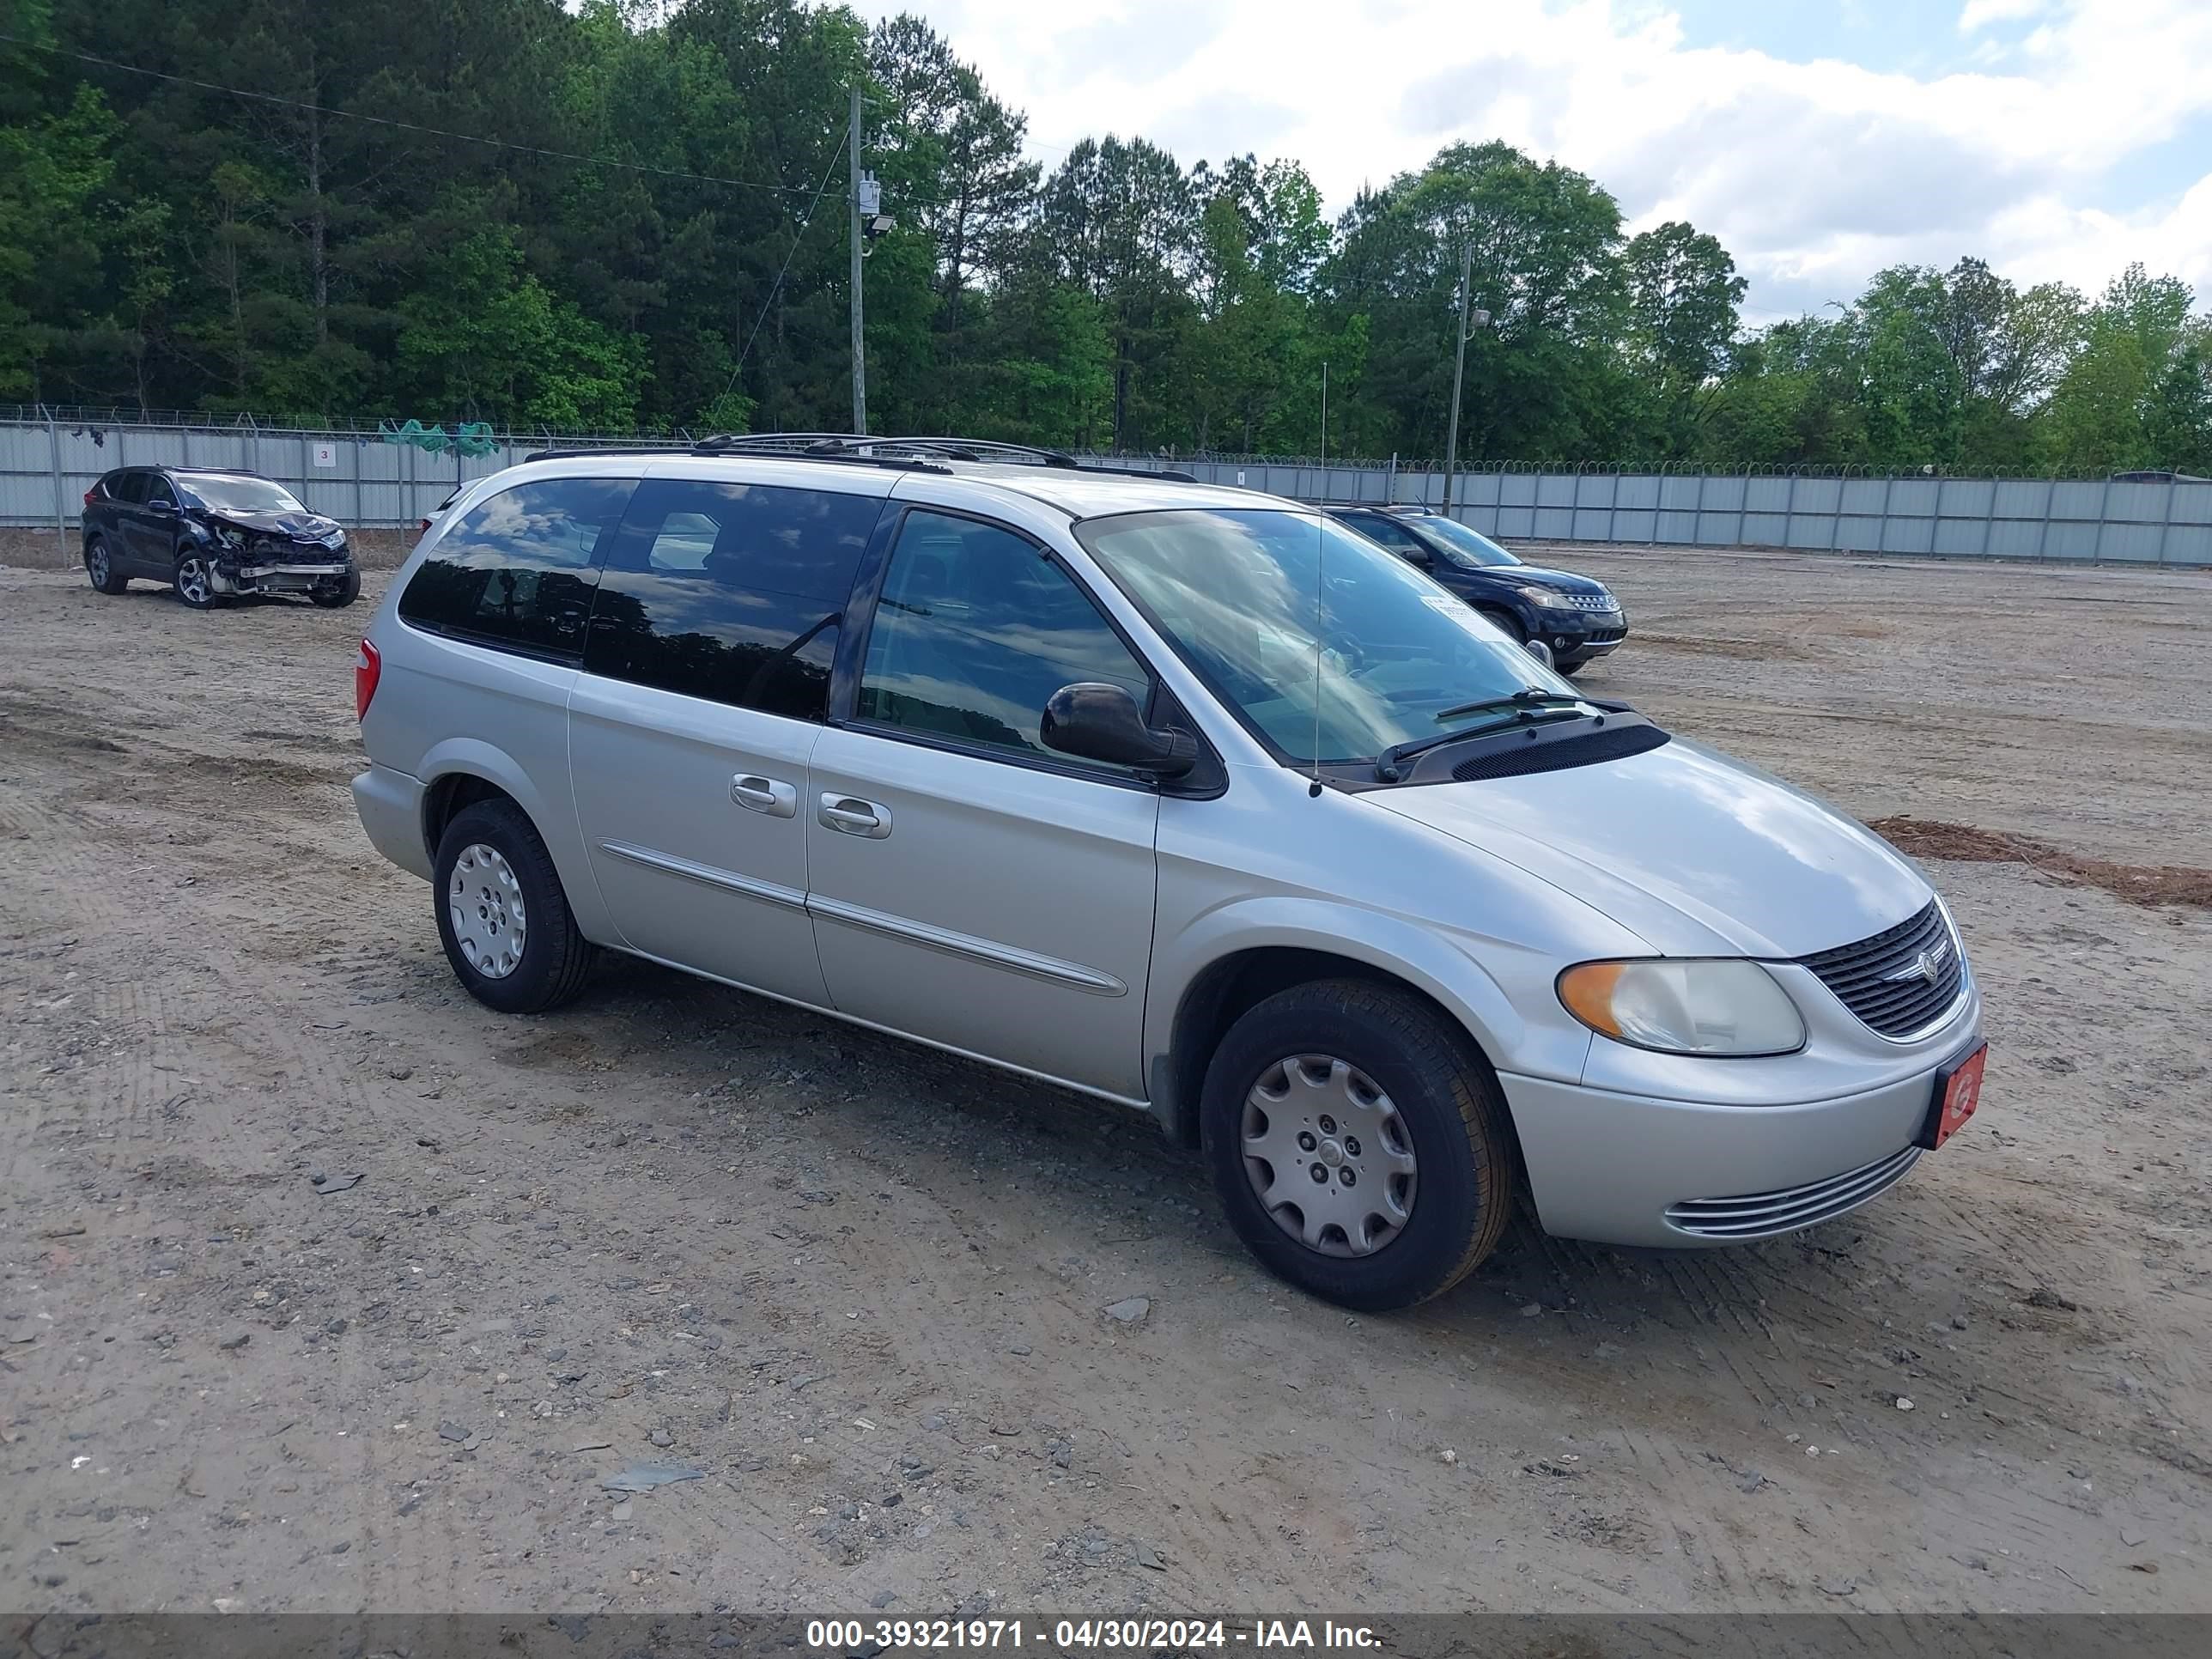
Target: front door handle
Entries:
(851, 816)
(769, 795)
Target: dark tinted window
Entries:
(731, 592)
(157, 489)
(1378, 527)
(976, 628)
(125, 487)
(516, 569)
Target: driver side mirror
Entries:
(1093, 720)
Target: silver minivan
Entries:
(1182, 796)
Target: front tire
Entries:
(1507, 621)
(337, 594)
(1571, 669)
(1357, 1140)
(99, 566)
(502, 916)
(195, 581)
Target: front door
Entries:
(154, 528)
(706, 680)
(968, 886)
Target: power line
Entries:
(402, 127)
(797, 236)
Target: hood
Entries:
(297, 524)
(1536, 575)
(1697, 854)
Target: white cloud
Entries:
(1814, 174)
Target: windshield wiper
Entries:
(1524, 704)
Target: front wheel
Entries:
(1571, 669)
(195, 581)
(1358, 1143)
(1507, 623)
(502, 916)
(337, 592)
(99, 566)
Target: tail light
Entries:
(426, 523)
(367, 666)
(92, 496)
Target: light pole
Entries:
(1468, 321)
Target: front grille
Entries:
(1592, 601)
(1762, 1215)
(1560, 753)
(1880, 979)
(1605, 635)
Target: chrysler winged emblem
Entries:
(1927, 965)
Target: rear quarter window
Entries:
(518, 571)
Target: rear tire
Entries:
(1430, 1135)
(337, 594)
(99, 566)
(490, 856)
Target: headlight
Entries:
(1691, 1008)
(1549, 599)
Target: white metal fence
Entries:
(365, 479)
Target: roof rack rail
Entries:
(919, 454)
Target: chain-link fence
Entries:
(373, 477)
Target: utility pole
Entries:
(1468, 321)
(1324, 434)
(1458, 370)
(858, 229)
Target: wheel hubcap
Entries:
(96, 561)
(484, 901)
(1329, 1155)
(192, 581)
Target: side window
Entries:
(127, 488)
(976, 628)
(157, 489)
(731, 592)
(1378, 528)
(516, 570)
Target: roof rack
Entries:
(919, 454)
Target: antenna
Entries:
(1320, 544)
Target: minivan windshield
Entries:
(237, 494)
(1468, 548)
(1286, 614)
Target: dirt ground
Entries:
(862, 1287)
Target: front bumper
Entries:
(1582, 636)
(1620, 1168)
(256, 572)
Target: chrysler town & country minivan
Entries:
(1182, 796)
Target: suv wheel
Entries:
(502, 917)
(99, 566)
(195, 581)
(1357, 1141)
(1506, 620)
(337, 592)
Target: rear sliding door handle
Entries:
(777, 800)
(851, 816)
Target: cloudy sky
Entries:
(1820, 139)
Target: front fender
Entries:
(1439, 961)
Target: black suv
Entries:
(213, 536)
(1578, 619)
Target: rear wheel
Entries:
(99, 566)
(502, 916)
(195, 581)
(337, 593)
(1358, 1143)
